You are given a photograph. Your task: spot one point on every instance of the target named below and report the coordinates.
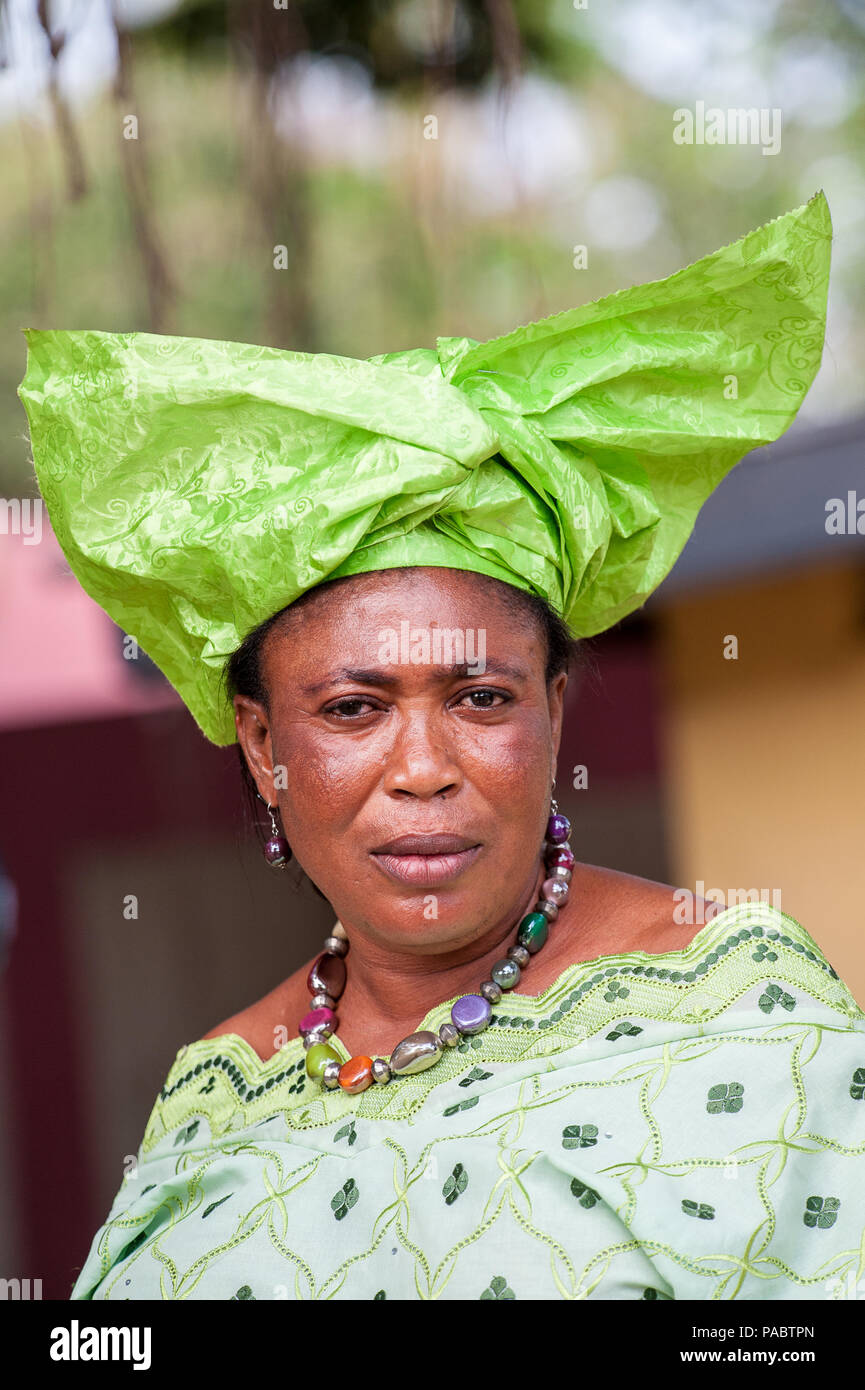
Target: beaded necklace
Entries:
(470, 1014)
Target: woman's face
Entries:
(382, 736)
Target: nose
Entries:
(421, 762)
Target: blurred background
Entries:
(359, 178)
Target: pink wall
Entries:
(60, 655)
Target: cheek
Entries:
(327, 780)
(514, 757)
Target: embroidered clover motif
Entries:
(498, 1289)
(579, 1136)
(476, 1074)
(587, 1196)
(700, 1209)
(623, 1030)
(773, 995)
(763, 952)
(347, 1131)
(462, 1105)
(455, 1184)
(726, 1096)
(344, 1199)
(821, 1211)
(857, 1085)
(616, 991)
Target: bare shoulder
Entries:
(258, 1024)
(624, 912)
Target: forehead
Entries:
(358, 620)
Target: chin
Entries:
(430, 913)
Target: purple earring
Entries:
(277, 851)
(558, 826)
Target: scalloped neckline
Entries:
(536, 1003)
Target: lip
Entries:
(426, 859)
(433, 842)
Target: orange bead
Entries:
(356, 1074)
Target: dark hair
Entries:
(243, 675)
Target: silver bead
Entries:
(320, 1034)
(449, 1034)
(380, 1071)
(505, 973)
(330, 1075)
(336, 945)
(415, 1053)
(322, 1001)
(520, 955)
(562, 873)
(549, 909)
(491, 991)
(340, 931)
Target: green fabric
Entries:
(197, 487)
(688, 1125)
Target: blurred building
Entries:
(764, 754)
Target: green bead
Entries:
(317, 1059)
(533, 932)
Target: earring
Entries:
(277, 851)
(558, 826)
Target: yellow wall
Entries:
(766, 753)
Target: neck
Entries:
(390, 989)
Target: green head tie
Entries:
(196, 487)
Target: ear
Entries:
(557, 707)
(253, 734)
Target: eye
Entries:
(352, 707)
(484, 698)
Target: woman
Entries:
(507, 1074)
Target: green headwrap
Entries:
(196, 487)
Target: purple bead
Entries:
(276, 851)
(561, 857)
(471, 1013)
(558, 829)
(316, 1018)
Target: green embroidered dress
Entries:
(680, 1126)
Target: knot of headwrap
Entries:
(197, 487)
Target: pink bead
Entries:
(554, 891)
(316, 1018)
(561, 857)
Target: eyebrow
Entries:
(361, 675)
